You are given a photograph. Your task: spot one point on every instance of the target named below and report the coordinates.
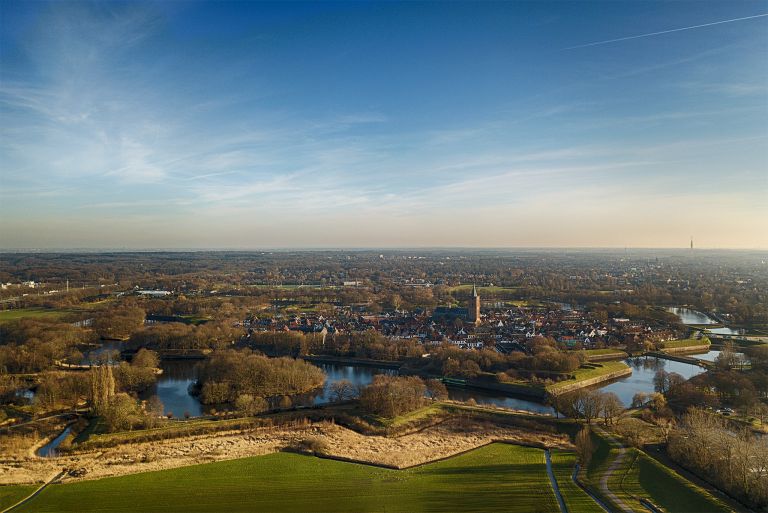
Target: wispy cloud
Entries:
(107, 126)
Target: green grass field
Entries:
(37, 313)
(649, 478)
(576, 500)
(498, 477)
(10, 495)
(642, 476)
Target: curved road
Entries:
(575, 479)
(611, 468)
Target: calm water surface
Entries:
(173, 385)
(643, 371)
(688, 316)
(172, 388)
(107, 352)
(49, 449)
(712, 355)
(725, 331)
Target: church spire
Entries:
(474, 290)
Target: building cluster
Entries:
(503, 328)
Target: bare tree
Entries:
(611, 406)
(342, 390)
(586, 404)
(436, 390)
(639, 400)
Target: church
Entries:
(469, 314)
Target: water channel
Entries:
(694, 317)
(49, 449)
(172, 387)
(688, 316)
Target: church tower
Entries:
(474, 307)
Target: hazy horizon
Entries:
(383, 125)
(458, 249)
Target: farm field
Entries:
(497, 477)
(37, 313)
(10, 495)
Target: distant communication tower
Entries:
(691, 242)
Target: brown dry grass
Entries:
(436, 442)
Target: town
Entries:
(95, 351)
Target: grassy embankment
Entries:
(605, 353)
(498, 477)
(588, 372)
(647, 477)
(692, 343)
(576, 500)
(350, 415)
(94, 435)
(640, 476)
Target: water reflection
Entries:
(172, 388)
(712, 355)
(688, 316)
(643, 371)
(458, 394)
(358, 376)
(726, 331)
(107, 352)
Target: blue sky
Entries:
(247, 124)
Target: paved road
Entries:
(611, 468)
(574, 478)
(553, 482)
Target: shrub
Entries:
(313, 444)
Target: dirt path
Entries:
(611, 468)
